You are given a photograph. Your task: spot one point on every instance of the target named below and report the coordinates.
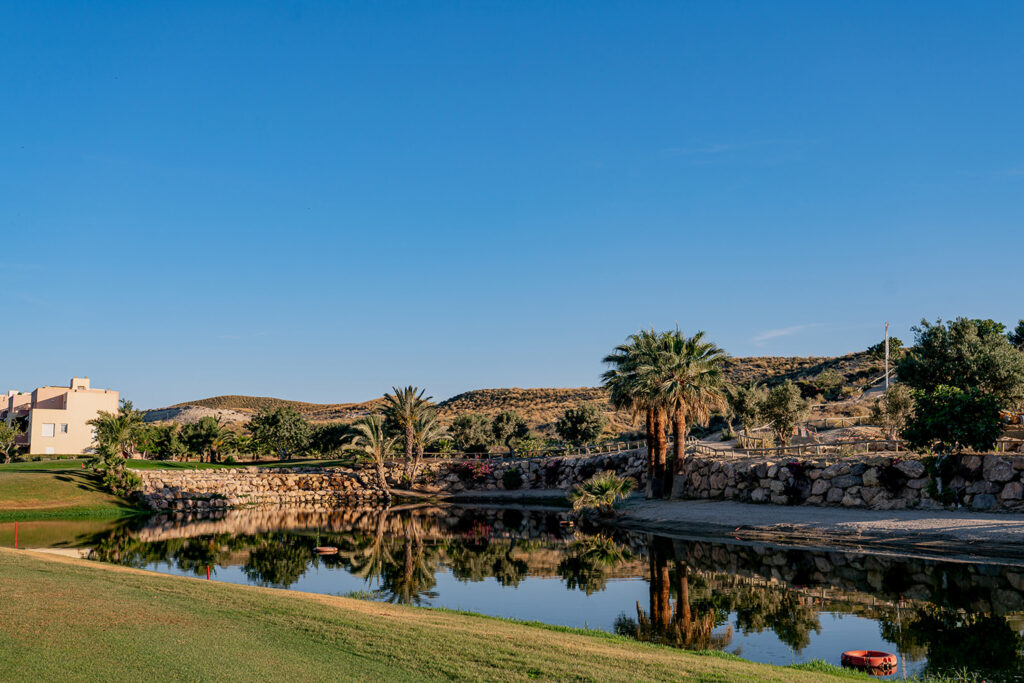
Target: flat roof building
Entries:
(54, 419)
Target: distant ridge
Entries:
(540, 406)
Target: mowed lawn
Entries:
(70, 620)
(49, 494)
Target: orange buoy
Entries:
(326, 550)
(873, 662)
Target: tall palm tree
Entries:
(372, 441)
(118, 431)
(403, 408)
(634, 384)
(426, 430)
(692, 386)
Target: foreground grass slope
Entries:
(65, 619)
(43, 494)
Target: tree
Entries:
(371, 441)
(282, 430)
(691, 387)
(877, 351)
(403, 408)
(507, 427)
(745, 403)
(162, 442)
(829, 383)
(1017, 336)
(7, 447)
(968, 354)
(783, 408)
(893, 409)
(472, 433)
(581, 425)
(328, 439)
(200, 437)
(633, 382)
(118, 431)
(601, 492)
(950, 419)
(427, 430)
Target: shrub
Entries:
(230, 460)
(512, 478)
(601, 492)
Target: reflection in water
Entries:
(766, 602)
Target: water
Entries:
(763, 602)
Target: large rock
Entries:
(984, 501)
(820, 487)
(851, 501)
(912, 468)
(835, 494)
(1012, 491)
(847, 481)
(870, 476)
(997, 469)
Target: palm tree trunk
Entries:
(410, 437)
(651, 457)
(660, 448)
(679, 439)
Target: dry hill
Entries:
(540, 406)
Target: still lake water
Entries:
(763, 602)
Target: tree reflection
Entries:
(585, 568)
(279, 560)
(409, 581)
(679, 625)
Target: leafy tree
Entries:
(988, 327)
(1017, 336)
(691, 387)
(950, 419)
(877, 351)
(162, 442)
(783, 407)
(893, 409)
(328, 439)
(403, 408)
(7, 447)
(582, 424)
(282, 430)
(507, 427)
(601, 492)
(745, 403)
(829, 382)
(472, 433)
(200, 437)
(118, 431)
(968, 354)
(372, 441)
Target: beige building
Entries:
(54, 418)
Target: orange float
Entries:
(870, 661)
(326, 550)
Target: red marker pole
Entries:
(207, 572)
(15, 535)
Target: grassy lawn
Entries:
(77, 463)
(64, 619)
(47, 494)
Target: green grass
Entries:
(77, 464)
(64, 619)
(49, 494)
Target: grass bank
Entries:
(55, 494)
(115, 623)
(71, 464)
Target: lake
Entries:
(764, 602)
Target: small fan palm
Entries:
(371, 441)
(601, 492)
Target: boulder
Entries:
(914, 469)
(820, 487)
(997, 469)
(870, 476)
(984, 501)
(846, 481)
(835, 495)
(1012, 491)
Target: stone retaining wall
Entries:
(328, 488)
(988, 482)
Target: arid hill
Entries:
(541, 407)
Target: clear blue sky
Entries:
(318, 200)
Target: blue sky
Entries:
(319, 200)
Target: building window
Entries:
(63, 429)
(48, 429)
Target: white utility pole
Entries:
(887, 356)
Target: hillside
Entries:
(540, 406)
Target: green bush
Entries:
(512, 478)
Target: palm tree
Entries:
(403, 408)
(634, 382)
(692, 386)
(118, 431)
(601, 492)
(371, 441)
(426, 430)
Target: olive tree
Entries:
(583, 424)
(893, 409)
(783, 407)
(509, 426)
(283, 430)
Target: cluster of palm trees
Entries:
(409, 420)
(673, 381)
